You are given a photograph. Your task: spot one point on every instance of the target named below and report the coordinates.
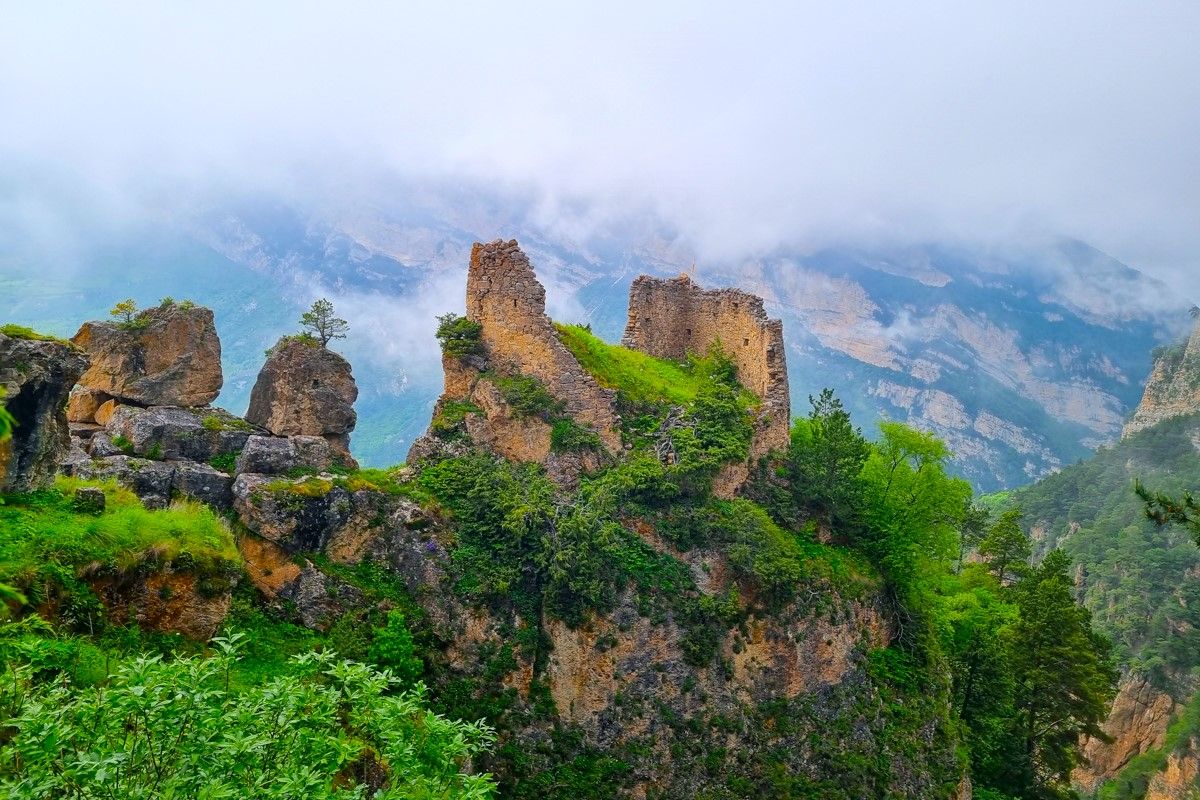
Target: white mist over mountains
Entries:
(745, 127)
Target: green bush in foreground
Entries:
(158, 729)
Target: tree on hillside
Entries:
(971, 530)
(825, 459)
(1006, 548)
(1064, 679)
(321, 323)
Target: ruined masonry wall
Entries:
(505, 297)
(670, 318)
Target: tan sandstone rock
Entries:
(305, 389)
(1137, 722)
(1179, 778)
(172, 357)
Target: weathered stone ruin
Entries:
(305, 389)
(36, 376)
(667, 319)
(670, 318)
(517, 338)
(505, 297)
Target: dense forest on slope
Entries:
(843, 547)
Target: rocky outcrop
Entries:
(675, 317)
(1180, 778)
(169, 601)
(169, 355)
(305, 389)
(1173, 388)
(1137, 722)
(37, 376)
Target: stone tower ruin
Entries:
(670, 318)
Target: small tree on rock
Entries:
(125, 311)
(321, 323)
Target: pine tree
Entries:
(1063, 675)
(1006, 547)
(825, 460)
(322, 323)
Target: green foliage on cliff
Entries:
(459, 336)
(643, 379)
(44, 542)
(1137, 578)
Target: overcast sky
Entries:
(748, 124)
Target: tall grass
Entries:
(42, 529)
(640, 377)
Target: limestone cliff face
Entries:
(172, 356)
(791, 682)
(1173, 388)
(1137, 722)
(305, 389)
(672, 318)
(505, 297)
(36, 376)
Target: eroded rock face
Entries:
(37, 377)
(675, 317)
(1173, 388)
(1178, 780)
(276, 455)
(1137, 722)
(304, 389)
(174, 359)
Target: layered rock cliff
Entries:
(1173, 388)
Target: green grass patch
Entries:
(14, 331)
(40, 533)
(640, 377)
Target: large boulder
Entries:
(169, 355)
(305, 389)
(173, 433)
(37, 375)
(276, 455)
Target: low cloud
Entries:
(744, 127)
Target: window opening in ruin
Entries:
(687, 331)
(745, 342)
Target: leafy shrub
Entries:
(448, 424)
(225, 462)
(327, 729)
(459, 336)
(393, 649)
(123, 444)
(566, 435)
(527, 396)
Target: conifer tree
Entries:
(321, 323)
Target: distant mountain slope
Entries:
(1022, 360)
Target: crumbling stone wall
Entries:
(670, 318)
(505, 297)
